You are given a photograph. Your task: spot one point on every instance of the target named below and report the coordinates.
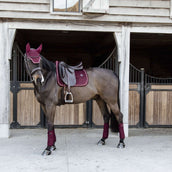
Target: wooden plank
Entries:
(28, 108)
(70, 114)
(134, 107)
(169, 108)
(26, 85)
(140, 3)
(79, 18)
(139, 11)
(170, 8)
(81, 113)
(166, 87)
(149, 108)
(163, 113)
(24, 7)
(158, 108)
(27, 1)
(97, 116)
(133, 86)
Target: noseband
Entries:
(31, 72)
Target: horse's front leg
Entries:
(51, 137)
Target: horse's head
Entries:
(33, 64)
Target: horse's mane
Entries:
(48, 65)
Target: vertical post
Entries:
(123, 48)
(170, 8)
(5, 82)
(6, 41)
(14, 88)
(14, 84)
(142, 99)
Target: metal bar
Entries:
(14, 84)
(142, 100)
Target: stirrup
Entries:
(67, 95)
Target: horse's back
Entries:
(102, 75)
(105, 81)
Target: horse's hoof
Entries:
(46, 152)
(121, 145)
(53, 148)
(101, 142)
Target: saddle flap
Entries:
(80, 75)
(67, 74)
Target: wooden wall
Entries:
(28, 109)
(159, 105)
(70, 114)
(140, 7)
(134, 104)
(157, 11)
(97, 117)
(134, 107)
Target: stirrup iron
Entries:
(68, 95)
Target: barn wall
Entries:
(156, 11)
(123, 17)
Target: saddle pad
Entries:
(81, 77)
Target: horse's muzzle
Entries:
(38, 78)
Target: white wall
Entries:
(6, 39)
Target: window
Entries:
(67, 5)
(85, 6)
(95, 6)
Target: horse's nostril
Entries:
(38, 80)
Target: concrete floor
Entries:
(147, 150)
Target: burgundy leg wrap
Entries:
(121, 131)
(105, 131)
(51, 138)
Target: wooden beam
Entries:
(140, 3)
(170, 8)
(27, 1)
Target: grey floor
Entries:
(146, 150)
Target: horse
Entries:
(103, 86)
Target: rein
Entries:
(27, 67)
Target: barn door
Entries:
(136, 97)
(150, 100)
(158, 98)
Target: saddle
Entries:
(67, 75)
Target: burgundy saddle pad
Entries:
(81, 77)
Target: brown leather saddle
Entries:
(67, 75)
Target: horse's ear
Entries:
(39, 48)
(27, 47)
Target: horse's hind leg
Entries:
(103, 108)
(49, 111)
(119, 117)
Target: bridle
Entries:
(31, 72)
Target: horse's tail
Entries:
(113, 121)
